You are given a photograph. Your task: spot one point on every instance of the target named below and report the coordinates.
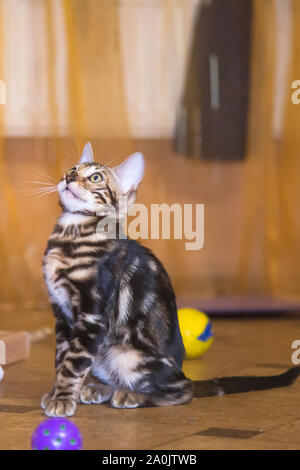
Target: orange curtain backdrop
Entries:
(95, 81)
(77, 72)
(15, 278)
(289, 178)
(95, 108)
(270, 250)
(260, 232)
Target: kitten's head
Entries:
(88, 186)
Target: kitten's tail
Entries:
(228, 385)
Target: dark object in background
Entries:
(241, 306)
(212, 117)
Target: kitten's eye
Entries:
(96, 178)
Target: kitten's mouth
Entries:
(69, 190)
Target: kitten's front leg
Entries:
(69, 380)
(76, 365)
(64, 335)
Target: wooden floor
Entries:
(257, 420)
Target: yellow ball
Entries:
(196, 332)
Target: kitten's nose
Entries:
(70, 178)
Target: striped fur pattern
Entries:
(117, 333)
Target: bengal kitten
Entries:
(117, 333)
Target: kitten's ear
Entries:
(130, 173)
(87, 154)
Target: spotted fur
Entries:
(117, 333)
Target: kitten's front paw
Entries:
(95, 393)
(59, 407)
(126, 399)
(46, 399)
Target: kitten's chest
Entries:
(64, 269)
(56, 266)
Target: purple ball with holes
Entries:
(56, 434)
